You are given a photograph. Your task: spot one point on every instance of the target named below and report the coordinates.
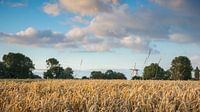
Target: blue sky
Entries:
(105, 34)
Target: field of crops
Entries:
(99, 96)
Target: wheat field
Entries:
(99, 96)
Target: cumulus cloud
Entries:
(181, 38)
(48, 38)
(79, 19)
(135, 42)
(33, 37)
(121, 28)
(184, 6)
(114, 25)
(76, 34)
(51, 9)
(87, 7)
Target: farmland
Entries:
(99, 95)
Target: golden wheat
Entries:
(99, 96)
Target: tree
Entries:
(97, 75)
(2, 70)
(85, 77)
(55, 71)
(196, 73)
(154, 71)
(136, 78)
(68, 73)
(119, 75)
(35, 76)
(18, 66)
(168, 75)
(109, 74)
(181, 68)
(52, 62)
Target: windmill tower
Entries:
(134, 71)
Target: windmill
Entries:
(134, 71)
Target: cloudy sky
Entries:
(105, 34)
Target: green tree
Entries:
(154, 72)
(35, 76)
(52, 62)
(196, 73)
(18, 66)
(85, 77)
(110, 74)
(136, 78)
(97, 75)
(119, 75)
(68, 73)
(55, 71)
(181, 68)
(2, 70)
(167, 75)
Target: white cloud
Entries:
(51, 9)
(79, 19)
(100, 47)
(87, 7)
(76, 34)
(181, 38)
(28, 32)
(48, 38)
(133, 41)
(182, 6)
(31, 36)
(114, 25)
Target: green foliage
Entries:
(196, 73)
(2, 70)
(154, 72)
(55, 71)
(17, 66)
(52, 62)
(85, 77)
(97, 75)
(136, 78)
(168, 75)
(109, 74)
(68, 73)
(35, 77)
(181, 68)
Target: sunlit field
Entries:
(99, 95)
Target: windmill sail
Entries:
(147, 56)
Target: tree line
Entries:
(181, 69)
(19, 66)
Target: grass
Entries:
(99, 96)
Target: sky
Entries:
(104, 34)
